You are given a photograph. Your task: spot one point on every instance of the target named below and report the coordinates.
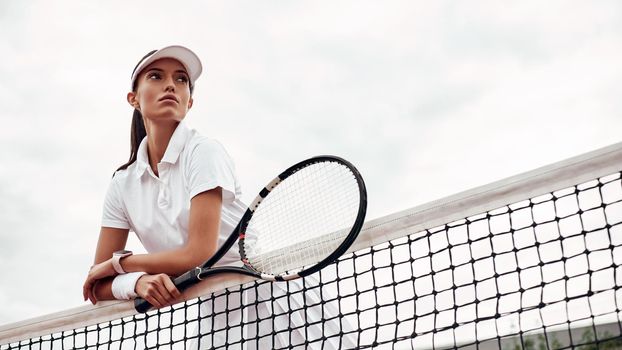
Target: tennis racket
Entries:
(307, 216)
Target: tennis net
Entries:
(529, 262)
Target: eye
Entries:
(182, 78)
(154, 75)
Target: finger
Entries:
(89, 294)
(154, 303)
(86, 288)
(92, 298)
(172, 289)
(92, 292)
(164, 292)
(157, 299)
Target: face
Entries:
(162, 92)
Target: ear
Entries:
(131, 99)
(190, 101)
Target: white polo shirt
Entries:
(157, 208)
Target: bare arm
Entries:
(110, 240)
(202, 243)
(202, 240)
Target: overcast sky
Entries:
(427, 98)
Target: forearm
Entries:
(173, 262)
(103, 289)
(204, 226)
(122, 287)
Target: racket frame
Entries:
(238, 234)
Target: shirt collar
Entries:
(175, 146)
(142, 159)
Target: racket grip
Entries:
(141, 305)
(182, 283)
(187, 279)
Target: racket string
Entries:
(310, 212)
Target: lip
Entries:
(168, 97)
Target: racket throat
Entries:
(203, 274)
(197, 272)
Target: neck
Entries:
(158, 137)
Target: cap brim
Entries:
(185, 56)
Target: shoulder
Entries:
(203, 146)
(204, 143)
(207, 157)
(117, 186)
(120, 177)
(208, 165)
(122, 174)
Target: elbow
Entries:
(196, 256)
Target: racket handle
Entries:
(141, 305)
(187, 279)
(182, 283)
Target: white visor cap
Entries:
(185, 56)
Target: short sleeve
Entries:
(209, 167)
(113, 212)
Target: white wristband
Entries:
(124, 286)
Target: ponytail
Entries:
(137, 134)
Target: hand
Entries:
(97, 272)
(159, 290)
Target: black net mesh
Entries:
(543, 273)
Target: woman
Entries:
(178, 193)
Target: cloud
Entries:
(426, 98)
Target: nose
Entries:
(169, 86)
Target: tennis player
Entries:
(178, 192)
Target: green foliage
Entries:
(587, 338)
(587, 342)
(555, 344)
